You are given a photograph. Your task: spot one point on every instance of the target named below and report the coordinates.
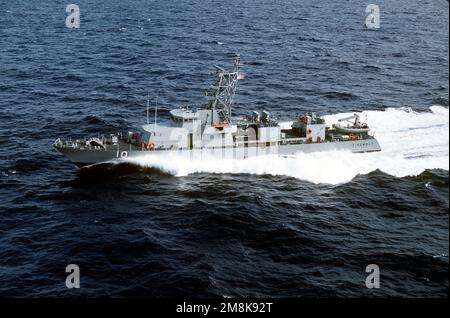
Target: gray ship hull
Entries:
(83, 157)
(208, 131)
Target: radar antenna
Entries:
(223, 91)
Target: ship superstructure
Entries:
(208, 130)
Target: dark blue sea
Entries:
(289, 227)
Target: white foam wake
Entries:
(411, 142)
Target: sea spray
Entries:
(411, 142)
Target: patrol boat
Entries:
(208, 130)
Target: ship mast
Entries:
(223, 91)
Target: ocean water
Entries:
(302, 226)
